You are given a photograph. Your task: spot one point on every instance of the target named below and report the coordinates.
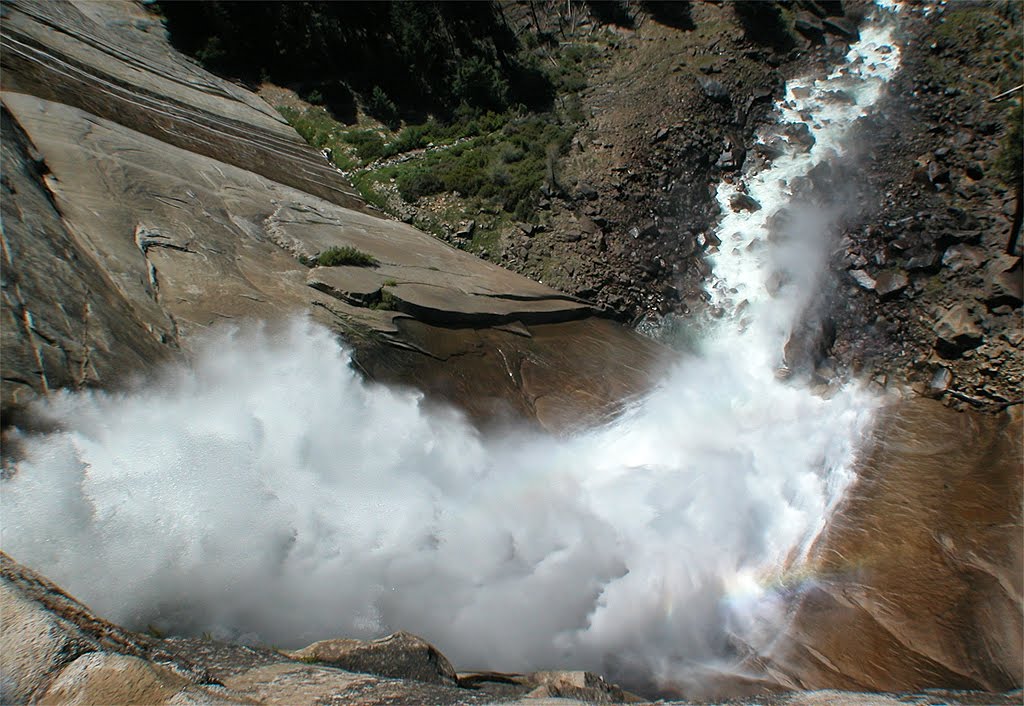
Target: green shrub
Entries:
(417, 183)
(478, 83)
(345, 255)
(383, 108)
(369, 144)
(387, 302)
(365, 183)
(314, 125)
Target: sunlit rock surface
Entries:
(56, 651)
(918, 581)
(147, 200)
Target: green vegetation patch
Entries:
(345, 255)
(506, 168)
(500, 159)
(387, 302)
(493, 137)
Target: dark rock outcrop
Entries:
(937, 206)
(400, 655)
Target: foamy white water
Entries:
(748, 265)
(268, 493)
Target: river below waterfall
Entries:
(268, 494)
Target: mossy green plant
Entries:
(387, 302)
(345, 255)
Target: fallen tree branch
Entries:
(1005, 94)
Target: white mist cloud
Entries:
(268, 492)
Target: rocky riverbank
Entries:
(925, 290)
(671, 105)
(55, 651)
(928, 276)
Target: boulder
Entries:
(582, 686)
(714, 90)
(838, 97)
(744, 202)
(799, 135)
(770, 150)
(840, 26)
(809, 26)
(1004, 281)
(942, 378)
(863, 280)
(890, 283)
(928, 262)
(105, 678)
(957, 331)
(401, 655)
(962, 257)
(54, 650)
(937, 173)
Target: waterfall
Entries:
(266, 493)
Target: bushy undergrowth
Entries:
(489, 127)
(505, 168)
(499, 159)
(345, 255)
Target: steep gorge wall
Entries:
(147, 200)
(141, 208)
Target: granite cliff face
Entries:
(147, 200)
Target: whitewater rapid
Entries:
(267, 493)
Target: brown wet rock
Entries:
(503, 375)
(918, 580)
(744, 202)
(401, 655)
(890, 283)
